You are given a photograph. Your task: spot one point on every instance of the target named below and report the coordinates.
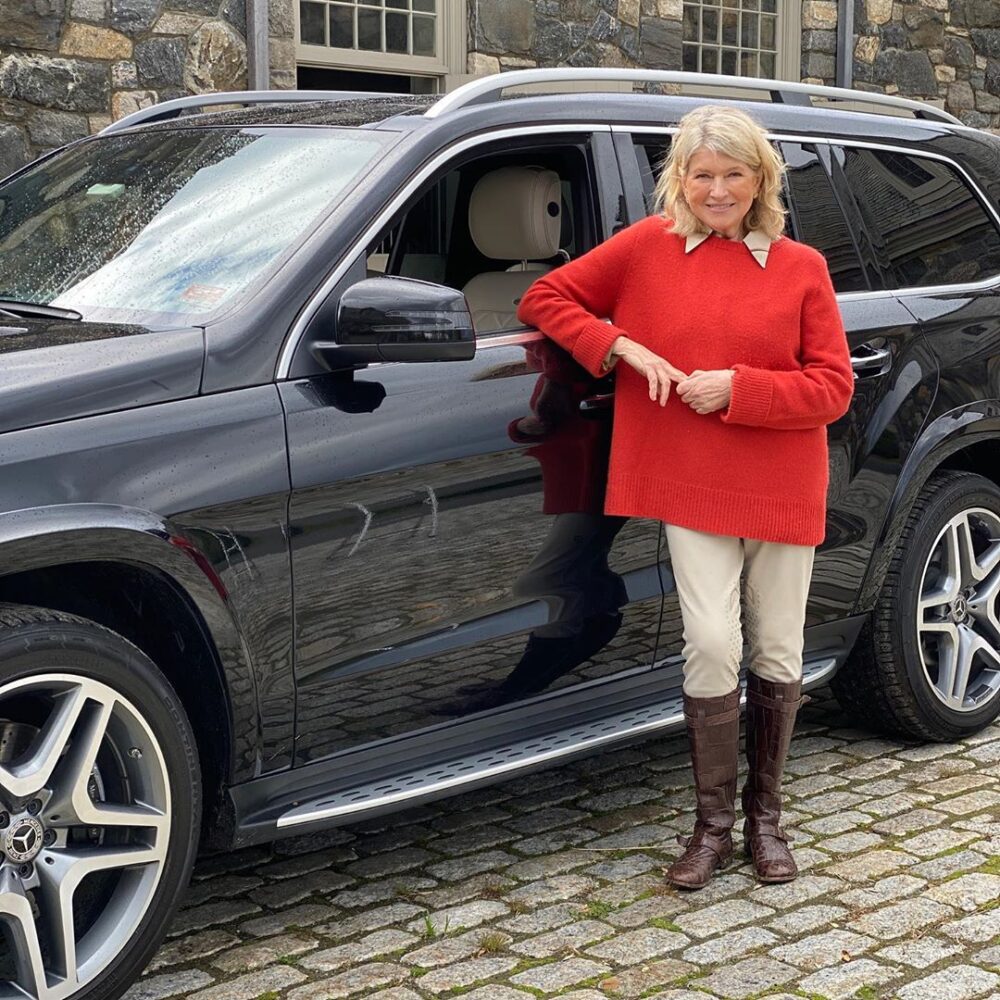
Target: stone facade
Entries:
(70, 67)
(942, 50)
(522, 33)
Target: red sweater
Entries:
(757, 469)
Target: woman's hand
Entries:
(706, 392)
(658, 371)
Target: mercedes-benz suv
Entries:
(297, 525)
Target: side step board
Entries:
(491, 765)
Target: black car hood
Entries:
(53, 370)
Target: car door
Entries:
(451, 559)
(895, 376)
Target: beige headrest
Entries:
(515, 213)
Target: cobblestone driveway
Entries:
(551, 885)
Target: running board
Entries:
(493, 764)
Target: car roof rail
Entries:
(173, 108)
(489, 88)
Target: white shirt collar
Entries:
(756, 240)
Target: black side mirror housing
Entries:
(399, 319)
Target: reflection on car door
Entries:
(450, 554)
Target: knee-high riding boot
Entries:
(713, 726)
(771, 711)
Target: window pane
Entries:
(750, 5)
(748, 64)
(396, 32)
(818, 220)
(932, 227)
(767, 65)
(311, 21)
(423, 36)
(427, 5)
(748, 33)
(769, 6)
(342, 27)
(397, 5)
(691, 58)
(767, 25)
(709, 25)
(730, 27)
(369, 30)
(710, 60)
(729, 62)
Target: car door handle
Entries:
(874, 361)
(599, 401)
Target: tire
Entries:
(100, 792)
(897, 678)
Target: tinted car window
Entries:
(929, 225)
(816, 217)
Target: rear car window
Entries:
(928, 224)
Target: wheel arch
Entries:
(133, 573)
(966, 439)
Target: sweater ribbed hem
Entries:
(751, 397)
(721, 512)
(593, 344)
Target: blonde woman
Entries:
(707, 295)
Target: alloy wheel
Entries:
(957, 615)
(84, 829)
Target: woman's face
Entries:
(719, 191)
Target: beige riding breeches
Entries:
(707, 570)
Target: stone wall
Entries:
(70, 67)
(520, 33)
(943, 50)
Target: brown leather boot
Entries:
(713, 726)
(771, 710)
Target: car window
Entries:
(814, 215)
(927, 222)
(432, 238)
(816, 218)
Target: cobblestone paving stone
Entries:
(551, 885)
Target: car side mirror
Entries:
(399, 319)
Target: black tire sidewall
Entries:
(964, 493)
(87, 650)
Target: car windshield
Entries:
(165, 227)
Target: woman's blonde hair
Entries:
(733, 133)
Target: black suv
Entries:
(297, 526)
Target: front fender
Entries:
(47, 537)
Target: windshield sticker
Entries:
(106, 190)
(203, 295)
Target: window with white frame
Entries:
(419, 37)
(759, 38)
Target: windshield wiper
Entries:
(14, 308)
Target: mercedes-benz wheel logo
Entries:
(23, 840)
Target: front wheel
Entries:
(927, 663)
(100, 804)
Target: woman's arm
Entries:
(819, 392)
(569, 304)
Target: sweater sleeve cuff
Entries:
(750, 401)
(593, 344)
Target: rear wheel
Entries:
(927, 663)
(99, 807)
